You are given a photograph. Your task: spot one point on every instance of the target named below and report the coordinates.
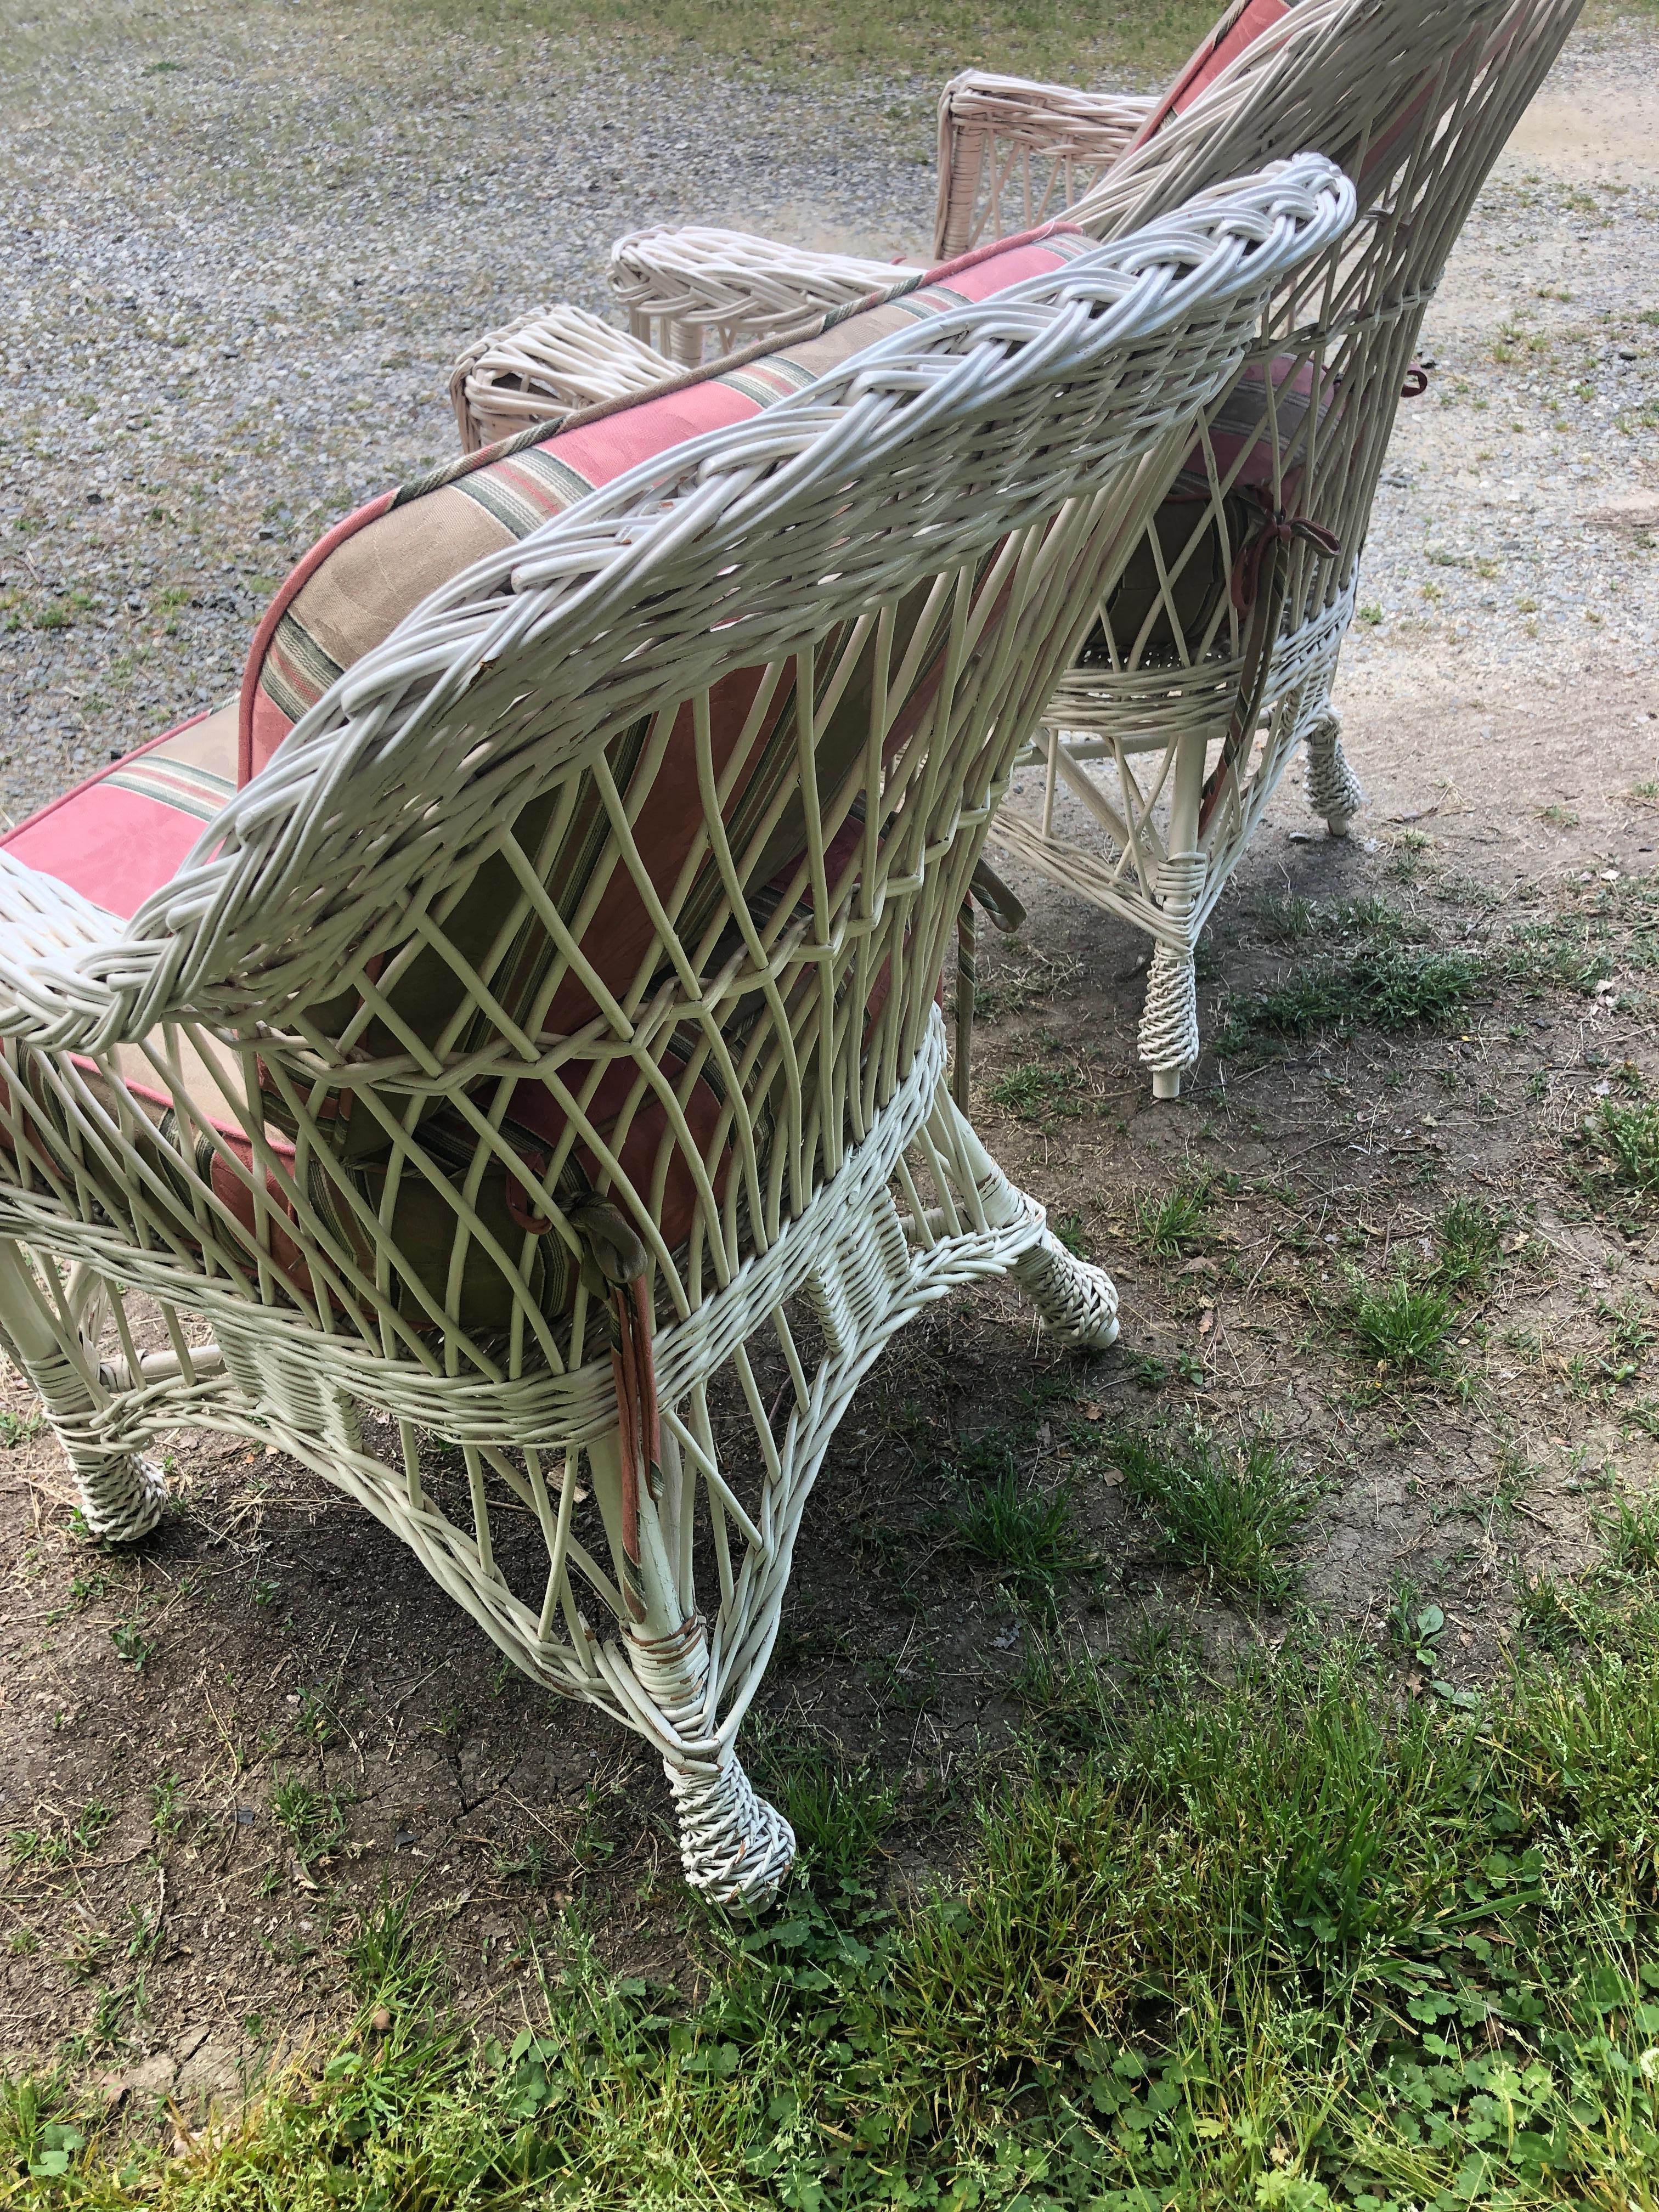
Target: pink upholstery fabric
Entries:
(1240, 25)
(125, 832)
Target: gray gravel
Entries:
(240, 256)
(242, 249)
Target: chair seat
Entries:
(127, 830)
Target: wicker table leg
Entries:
(121, 1492)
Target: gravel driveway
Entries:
(243, 250)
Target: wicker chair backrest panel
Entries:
(1348, 78)
(964, 470)
(1421, 132)
(350, 592)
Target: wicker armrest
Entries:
(698, 290)
(556, 359)
(1012, 153)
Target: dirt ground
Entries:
(217, 1749)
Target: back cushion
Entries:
(353, 588)
(357, 583)
(1240, 25)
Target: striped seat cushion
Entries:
(126, 831)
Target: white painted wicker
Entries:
(611, 1481)
(1149, 787)
(703, 293)
(552, 363)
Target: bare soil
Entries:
(218, 1749)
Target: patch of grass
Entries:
(1470, 1236)
(1623, 1141)
(1166, 1225)
(390, 1958)
(1034, 1091)
(1631, 1535)
(313, 1819)
(1283, 1943)
(1226, 1508)
(1063, 41)
(1391, 988)
(1010, 1525)
(839, 1809)
(1402, 1323)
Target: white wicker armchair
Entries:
(1153, 771)
(241, 1189)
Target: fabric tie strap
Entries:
(614, 1271)
(1258, 587)
(1278, 530)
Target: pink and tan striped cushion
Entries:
(1239, 26)
(126, 831)
(355, 586)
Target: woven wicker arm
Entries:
(554, 361)
(698, 291)
(1013, 153)
(594, 1406)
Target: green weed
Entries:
(390, 1958)
(1623, 1140)
(1005, 1521)
(132, 1644)
(1470, 1236)
(314, 1819)
(1225, 1508)
(839, 1808)
(1402, 1323)
(1034, 1092)
(1391, 988)
(1164, 1225)
(1631, 1535)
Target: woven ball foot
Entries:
(735, 1847)
(1077, 1300)
(124, 1499)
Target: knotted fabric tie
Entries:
(1277, 530)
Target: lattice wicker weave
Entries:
(558, 361)
(924, 531)
(1157, 791)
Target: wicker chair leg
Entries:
(1333, 789)
(1167, 1037)
(1077, 1300)
(121, 1492)
(734, 1845)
